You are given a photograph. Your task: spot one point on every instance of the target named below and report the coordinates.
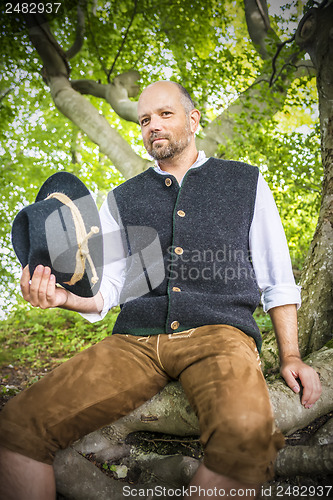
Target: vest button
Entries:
(174, 325)
(168, 182)
(176, 289)
(181, 213)
(179, 251)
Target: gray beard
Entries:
(171, 150)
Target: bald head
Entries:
(164, 85)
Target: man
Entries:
(195, 326)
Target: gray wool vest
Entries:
(203, 231)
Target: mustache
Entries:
(156, 135)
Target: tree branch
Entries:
(261, 99)
(80, 478)
(79, 110)
(276, 55)
(257, 101)
(307, 29)
(51, 53)
(74, 145)
(90, 87)
(94, 7)
(80, 30)
(305, 68)
(4, 93)
(116, 93)
(264, 13)
(263, 37)
(83, 114)
(95, 44)
(304, 460)
(123, 41)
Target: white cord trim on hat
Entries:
(82, 237)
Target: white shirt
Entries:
(268, 247)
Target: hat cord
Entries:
(82, 237)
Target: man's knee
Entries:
(18, 433)
(243, 447)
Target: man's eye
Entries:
(166, 113)
(144, 121)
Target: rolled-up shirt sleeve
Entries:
(270, 253)
(114, 265)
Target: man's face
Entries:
(165, 127)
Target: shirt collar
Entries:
(199, 161)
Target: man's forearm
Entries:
(83, 304)
(295, 372)
(284, 319)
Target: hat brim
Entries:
(32, 221)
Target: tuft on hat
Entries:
(62, 230)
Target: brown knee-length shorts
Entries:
(218, 366)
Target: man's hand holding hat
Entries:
(41, 291)
(58, 241)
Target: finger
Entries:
(35, 284)
(43, 285)
(312, 388)
(307, 399)
(290, 378)
(305, 376)
(24, 283)
(50, 290)
(306, 380)
(318, 388)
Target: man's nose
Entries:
(155, 123)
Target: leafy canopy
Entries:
(203, 45)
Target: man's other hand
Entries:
(294, 370)
(41, 290)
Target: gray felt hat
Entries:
(62, 230)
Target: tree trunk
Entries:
(315, 35)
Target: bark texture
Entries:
(303, 460)
(315, 35)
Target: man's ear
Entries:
(194, 120)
